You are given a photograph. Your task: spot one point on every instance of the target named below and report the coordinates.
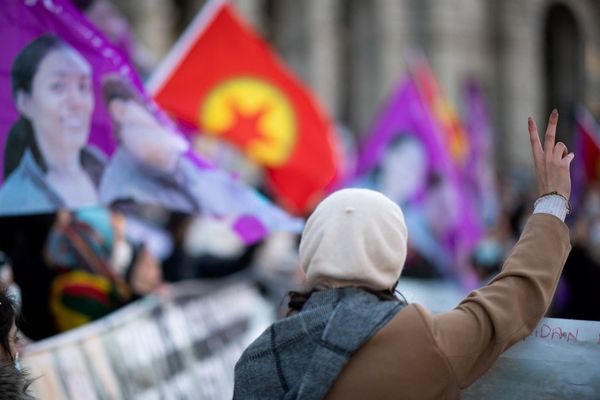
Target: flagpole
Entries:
(158, 77)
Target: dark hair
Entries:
(24, 67)
(83, 5)
(299, 298)
(115, 86)
(20, 137)
(14, 384)
(26, 63)
(8, 316)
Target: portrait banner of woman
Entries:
(64, 145)
(47, 162)
(55, 133)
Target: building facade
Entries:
(529, 55)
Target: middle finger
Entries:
(550, 133)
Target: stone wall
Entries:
(351, 52)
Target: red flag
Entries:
(588, 145)
(224, 79)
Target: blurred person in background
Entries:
(581, 276)
(13, 382)
(491, 251)
(22, 239)
(349, 337)
(95, 276)
(204, 248)
(7, 279)
(9, 330)
(74, 267)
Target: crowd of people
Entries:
(72, 267)
(67, 261)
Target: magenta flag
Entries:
(61, 148)
(405, 157)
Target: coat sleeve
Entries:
(493, 318)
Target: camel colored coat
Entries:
(418, 355)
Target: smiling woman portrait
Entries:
(47, 162)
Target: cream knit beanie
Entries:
(355, 237)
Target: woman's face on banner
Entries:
(61, 101)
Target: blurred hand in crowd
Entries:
(146, 275)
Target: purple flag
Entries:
(63, 147)
(479, 169)
(404, 113)
(404, 156)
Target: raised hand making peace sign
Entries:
(552, 162)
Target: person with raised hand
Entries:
(551, 163)
(14, 383)
(348, 337)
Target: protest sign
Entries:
(179, 346)
(185, 346)
(559, 360)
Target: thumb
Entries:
(570, 158)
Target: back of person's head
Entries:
(23, 70)
(355, 237)
(13, 383)
(8, 318)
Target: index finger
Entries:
(550, 133)
(536, 145)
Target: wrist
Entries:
(554, 204)
(557, 194)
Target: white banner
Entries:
(181, 346)
(185, 345)
(559, 360)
